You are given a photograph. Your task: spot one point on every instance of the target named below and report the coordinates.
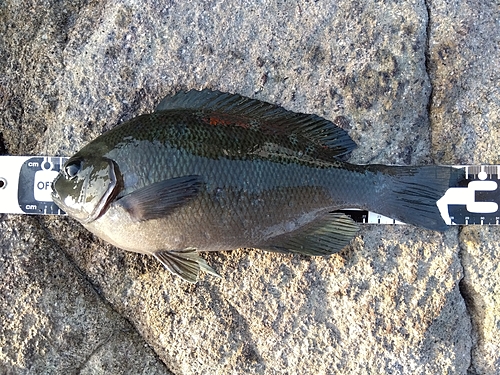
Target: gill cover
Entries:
(85, 187)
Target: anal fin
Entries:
(185, 263)
(324, 236)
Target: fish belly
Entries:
(233, 211)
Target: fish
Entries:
(214, 171)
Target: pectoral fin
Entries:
(184, 263)
(324, 236)
(161, 198)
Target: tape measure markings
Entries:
(25, 188)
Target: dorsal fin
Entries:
(270, 118)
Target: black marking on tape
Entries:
(35, 178)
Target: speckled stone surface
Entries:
(465, 115)
(53, 320)
(417, 83)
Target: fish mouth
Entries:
(115, 183)
(55, 195)
(78, 207)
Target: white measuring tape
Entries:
(25, 188)
(25, 184)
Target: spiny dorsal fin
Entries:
(269, 117)
(325, 236)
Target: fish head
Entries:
(86, 186)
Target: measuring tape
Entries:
(25, 184)
(25, 188)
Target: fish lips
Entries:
(87, 197)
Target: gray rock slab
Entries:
(481, 289)
(389, 303)
(463, 66)
(464, 56)
(53, 321)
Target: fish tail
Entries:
(409, 194)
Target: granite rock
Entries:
(481, 289)
(53, 320)
(465, 115)
(463, 66)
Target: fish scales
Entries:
(210, 171)
(245, 192)
(255, 169)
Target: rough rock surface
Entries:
(417, 83)
(53, 320)
(464, 56)
(481, 290)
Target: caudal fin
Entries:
(409, 194)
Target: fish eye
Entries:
(71, 169)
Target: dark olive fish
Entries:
(210, 171)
